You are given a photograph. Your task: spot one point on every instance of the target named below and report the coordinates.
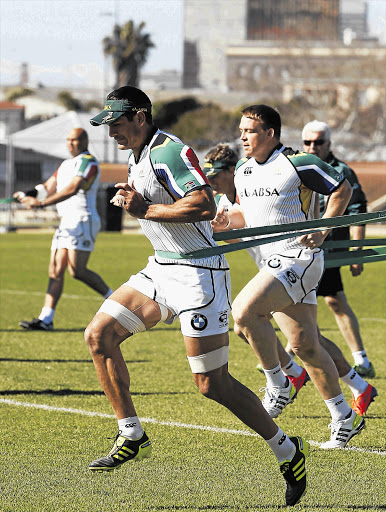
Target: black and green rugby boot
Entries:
(123, 450)
(294, 471)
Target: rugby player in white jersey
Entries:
(276, 185)
(170, 196)
(219, 167)
(73, 189)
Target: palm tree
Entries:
(129, 49)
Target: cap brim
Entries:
(105, 117)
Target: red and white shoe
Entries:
(361, 404)
(301, 381)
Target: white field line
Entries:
(160, 422)
(63, 296)
(96, 297)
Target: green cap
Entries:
(213, 168)
(114, 109)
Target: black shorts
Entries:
(331, 283)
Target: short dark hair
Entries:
(222, 152)
(129, 92)
(267, 115)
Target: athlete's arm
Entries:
(195, 206)
(336, 206)
(55, 197)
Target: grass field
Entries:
(54, 418)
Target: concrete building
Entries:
(259, 45)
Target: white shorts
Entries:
(299, 271)
(77, 235)
(200, 297)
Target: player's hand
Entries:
(313, 240)
(130, 200)
(220, 222)
(356, 269)
(19, 195)
(30, 202)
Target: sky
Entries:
(61, 40)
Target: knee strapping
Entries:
(124, 316)
(164, 312)
(210, 361)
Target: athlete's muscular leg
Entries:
(220, 386)
(56, 270)
(251, 311)
(298, 324)
(105, 334)
(77, 266)
(347, 321)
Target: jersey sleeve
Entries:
(87, 167)
(316, 174)
(176, 167)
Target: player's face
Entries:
(222, 181)
(75, 143)
(127, 134)
(316, 144)
(256, 140)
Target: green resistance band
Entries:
(363, 218)
(340, 259)
(8, 200)
(333, 222)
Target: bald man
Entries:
(73, 189)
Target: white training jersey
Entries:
(165, 172)
(83, 203)
(282, 189)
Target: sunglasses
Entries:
(318, 142)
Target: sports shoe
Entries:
(36, 325)
(301, 381)
(343, 431)
(361, 404)
(365, 372)
(275, 399)
(123, 450)
(294, 471)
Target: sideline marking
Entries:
(160, 422)
(373, 320)
(63, 296)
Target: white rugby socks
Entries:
(275, 377)
(47, 315)
(282, 447)
(338, 407)
(130, 427)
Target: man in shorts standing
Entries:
(73, 188)
(171, 198)
(277, 185)
(316, 137)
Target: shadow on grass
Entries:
(68, 392)
(17, 360)
(268, 507)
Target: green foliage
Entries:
(206, 126)
(17, 92)
(66, 99)
(166, 113)
(44, 455)
(129, 48)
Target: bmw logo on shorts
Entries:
(274, 263)
(199, 322)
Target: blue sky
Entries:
(61, 39)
